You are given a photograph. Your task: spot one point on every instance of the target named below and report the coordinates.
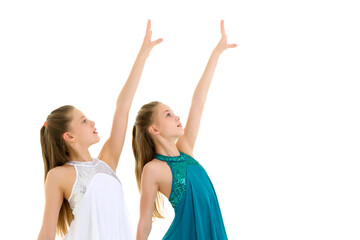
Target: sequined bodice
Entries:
(85, 171)
(178, 166)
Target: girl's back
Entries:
(197, 211)
(97, 197)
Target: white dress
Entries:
(97, 202)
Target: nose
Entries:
(177, 118)
(92, 123)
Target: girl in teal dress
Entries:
(165, 165)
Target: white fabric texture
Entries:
(97, 202)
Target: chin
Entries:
(96, 140)
(182, 133)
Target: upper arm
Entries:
(187, 141)
(110, 153)
(149, 188)
(53, 200)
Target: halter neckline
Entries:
(178, 158)
(87, 163)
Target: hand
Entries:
(148, 44)
(223, 45)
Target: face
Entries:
(166, 123)
(82, 130)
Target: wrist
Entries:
(143, 54)
(216, 52)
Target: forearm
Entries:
(127, 93)
(203, 86)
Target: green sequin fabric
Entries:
(178, 166)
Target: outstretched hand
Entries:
(223, 45)
(148, 44)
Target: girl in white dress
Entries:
(83, 196)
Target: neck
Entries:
(80, 155)
(166, 147)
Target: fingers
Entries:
(148, 36)
(156, 42)
(224, 38)
(232, 45)
(148, 28)
(222, 28)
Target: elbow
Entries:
(197, 96)
(143, 230)
(198, 100)
(122, 110)
(46, 235)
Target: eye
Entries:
(168, 115)
(84, 121)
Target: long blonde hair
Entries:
(144, 149)
(56, 153)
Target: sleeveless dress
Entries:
(97, 202)
(197, 211)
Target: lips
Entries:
(95, 132)
(179, 125)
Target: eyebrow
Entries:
(166, 111)
(82, 117)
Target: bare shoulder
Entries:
(60, 172)
(154, 169)
(61, 177)
(154, 166)
(158, 172)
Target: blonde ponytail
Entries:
(56, 153)
(144, 149)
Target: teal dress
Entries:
(193, 197)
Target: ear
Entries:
(153, 130)
(68, 137)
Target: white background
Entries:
(280, 131)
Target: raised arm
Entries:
(112, 148)
(186, 142)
